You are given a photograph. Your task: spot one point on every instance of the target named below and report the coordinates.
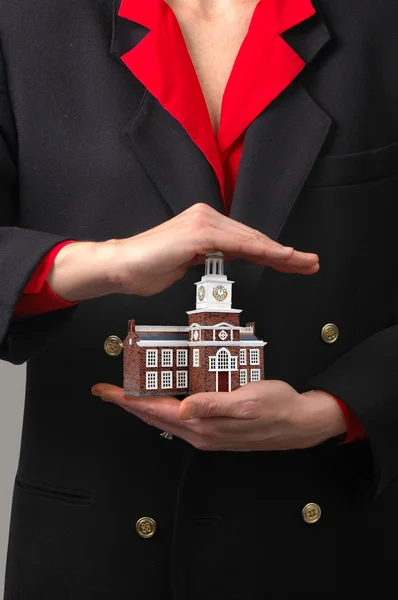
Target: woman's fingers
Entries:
(256, 250)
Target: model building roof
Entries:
(248, 338)
(162, 336)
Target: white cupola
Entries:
(214, 290)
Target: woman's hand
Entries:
(149, 262)
(265, 415)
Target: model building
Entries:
(212, 353)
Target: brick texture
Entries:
(200, 379)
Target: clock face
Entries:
(220, 293)
(201, 293)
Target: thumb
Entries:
(201, 406)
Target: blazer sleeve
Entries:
(366, 379)
(38, 297)
(21, 250)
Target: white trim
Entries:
(214, 277)
(214, 309)
(220, 335)
(182, 362)
(169, 377)
(167, 352)
(161, 328)
(256, 372)
(214, 364)
(151, 353)
(243, 377)
(256, 360)
(233, 327)
(185, 343)
(196, 357)
(185, 374)
(236, 343)
(155, 386)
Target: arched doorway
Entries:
(223, 366)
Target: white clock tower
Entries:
(214, 290)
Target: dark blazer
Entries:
(86, 152)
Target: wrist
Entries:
(322, 414)
(84, 270)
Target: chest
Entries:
(213, 45)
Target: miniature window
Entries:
(167, 379)
(234, 363)
(255, 375)
(167, 358)
(223, 360)
(182, 358)
(182, 379)
(212, 363)
(152, 380)
(243, 357)
(196, 359)
(151, 358)
(243, 376)
(254, 357)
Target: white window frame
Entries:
(196, 357)
(223, 360)
(254, 356)
(243, 377)
(178, 382)
(169, 384)
(243, 356)
(151, 352)
(255, 374)
(167, 352)
(182, 362)
(234, 363)
(151, 387)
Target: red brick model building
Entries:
(213, 353)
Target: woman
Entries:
(135, 137)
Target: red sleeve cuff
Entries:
(355, 429)
(38, 297)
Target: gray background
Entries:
(12, 390)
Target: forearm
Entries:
(322, 415)
(85, 270)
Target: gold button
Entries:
(146, 527)
(311, 513)
(330, 333)
(113, 345)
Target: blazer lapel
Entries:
(279, 151)
(169, 147)
(282, 144)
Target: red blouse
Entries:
(173, 81)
